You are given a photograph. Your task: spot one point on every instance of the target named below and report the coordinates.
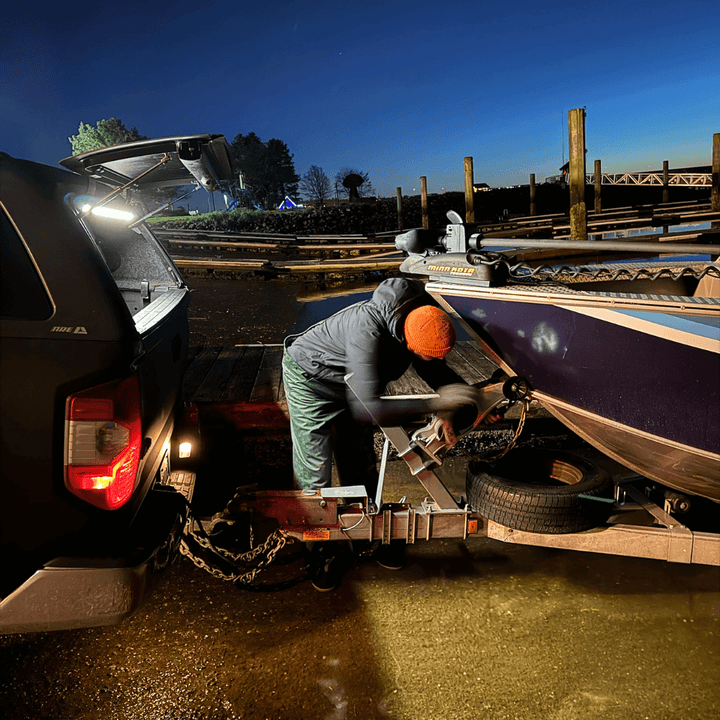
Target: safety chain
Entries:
(267, 552)
(247, 565)
(543, 273)
(521, 424)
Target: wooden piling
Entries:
(424, 202)
(533, 208)
(469, 197)
(715, 194)
(666, 182)
(598, 186)
(578, 212)
(398, 193)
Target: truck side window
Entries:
(22, 293)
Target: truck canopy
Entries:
(162, 162)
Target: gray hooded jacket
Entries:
(367, 339)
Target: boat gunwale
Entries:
(680, 304)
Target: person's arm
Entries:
(365, 396)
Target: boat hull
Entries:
(640, 385)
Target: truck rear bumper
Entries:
(69, 593)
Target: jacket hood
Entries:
(395, 298)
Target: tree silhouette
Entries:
(267, 169)
(103, 134)
(315, 184)
(364, 189)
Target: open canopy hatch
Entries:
(162, 162)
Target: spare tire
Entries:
(541, 491)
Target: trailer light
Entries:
(103, 441)
(185, 450)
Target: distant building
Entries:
(480, 187)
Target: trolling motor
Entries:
(454, 253)
(458, 237)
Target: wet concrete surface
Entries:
(469, 629)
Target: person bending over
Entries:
(376, 341)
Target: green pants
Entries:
(322, 426)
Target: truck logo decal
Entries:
(79, 330)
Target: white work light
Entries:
(108, 212)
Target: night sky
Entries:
(395, 89)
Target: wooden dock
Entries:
(272, 255)
(241, 386)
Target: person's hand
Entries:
(447, 431)
(492, 417)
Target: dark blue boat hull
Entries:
(645, 393)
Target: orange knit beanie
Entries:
(429, 331)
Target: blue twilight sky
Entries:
(394, 88)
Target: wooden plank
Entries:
(481, 364)
(198, 368)
(297, 267)
(241, 385)
(193, 352)
(252, 416)
(219, 375)
(457, 362)
(253, 373)
(267, 382)
(409, 384)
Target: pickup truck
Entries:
(94, 335)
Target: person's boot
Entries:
(391, 556)
(327, 564)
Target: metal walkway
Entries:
(654, 177)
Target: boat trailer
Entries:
(636, 526)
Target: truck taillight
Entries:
(103, 442)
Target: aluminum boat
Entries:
(625, 354)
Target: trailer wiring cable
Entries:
(363, 515)
(525, 404)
